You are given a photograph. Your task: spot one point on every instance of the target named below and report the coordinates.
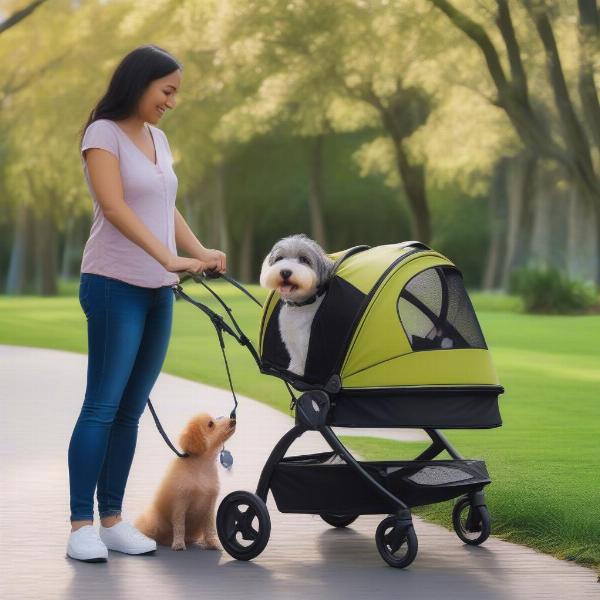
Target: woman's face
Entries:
(159, 97)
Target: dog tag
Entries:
(226, 458)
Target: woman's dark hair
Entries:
(129, 82)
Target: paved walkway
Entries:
(41, 393)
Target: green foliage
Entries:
(267, 183)
(267, 186)
(461, 230)
(258, 72)
(548, 290)
(495, 302)
(359, 210)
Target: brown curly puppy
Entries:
(183, 511)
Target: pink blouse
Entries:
(149, 190)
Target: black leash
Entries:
(220, 326)
(241, 337)
(163, 433)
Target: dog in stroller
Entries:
(299, 270)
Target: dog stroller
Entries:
(394, 343)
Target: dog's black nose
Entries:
(285, 273)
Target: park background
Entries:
(473, 126)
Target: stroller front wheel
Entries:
(397, 542)
(471, 523)
(243, 525)
(338, 520)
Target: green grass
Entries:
(543, 461)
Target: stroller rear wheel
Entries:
(243, 525)
(397, 542)
(338, 520)
(471, 523)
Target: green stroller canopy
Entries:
(398, 336)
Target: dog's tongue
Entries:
(287, 287)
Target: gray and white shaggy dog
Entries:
(299, 270)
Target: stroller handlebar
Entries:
(208, 274)
(215, 274)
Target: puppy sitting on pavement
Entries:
(298, 268)
(183, 510)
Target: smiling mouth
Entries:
(161, 111)
(287, 288)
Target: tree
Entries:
(337, 66)
(19, 15)
(46, 91)
(580, 132)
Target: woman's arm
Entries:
(105, 177)
(187, 241)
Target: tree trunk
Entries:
(413, 179)
(46, 253)
(549, 243)
(198, 209)
(246, 251)
(204, 210)
(597, 232)
(19, 268)
(72, 249)
(189, 212)
(582, 237)
(65, 263)
(315, 193)
(221, 227)
(492, 278)
(19, 15)
(589, 31)
(520, 188)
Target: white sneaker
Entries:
(84, 544)
(124, 537)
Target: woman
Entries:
(128, 270)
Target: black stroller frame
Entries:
(395, 537)
(353, 488)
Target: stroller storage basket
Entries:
(325, 483)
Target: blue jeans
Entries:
(128, 334)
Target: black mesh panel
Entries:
(318, 483)
(460, 311)
(436, 312)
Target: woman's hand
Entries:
(179, 264)
(215, 257)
